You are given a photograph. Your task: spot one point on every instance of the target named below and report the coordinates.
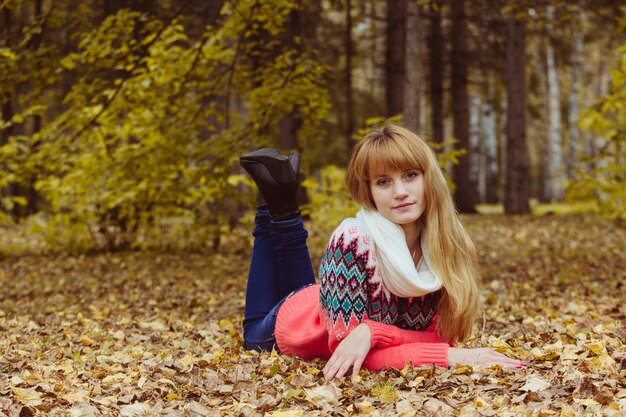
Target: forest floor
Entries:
(159, 334)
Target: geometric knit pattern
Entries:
(352, 289)
(343, 286)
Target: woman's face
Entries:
(399, 195)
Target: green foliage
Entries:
(154, 123)
(330, 200)
(606, 183)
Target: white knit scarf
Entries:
(399, 273)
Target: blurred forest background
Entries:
(120, 131)
(122, 121)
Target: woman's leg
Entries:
(293, 263)
(280, 265)
(262, 292)
(280, 259)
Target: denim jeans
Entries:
(280, 265)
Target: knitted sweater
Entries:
(313, 322)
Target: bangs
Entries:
(387, 154)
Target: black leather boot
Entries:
(277, 178)
(260, 202)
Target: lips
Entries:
(403, 205)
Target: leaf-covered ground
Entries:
(159, 334)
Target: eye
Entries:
(382, 182)
(412, 174)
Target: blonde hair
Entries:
(452, 252)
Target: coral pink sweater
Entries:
(312, 322)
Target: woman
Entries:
(398, 283)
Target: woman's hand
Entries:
(480, 357)
(351, 352)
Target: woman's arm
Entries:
(352, 354)
(387, 335)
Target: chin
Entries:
(406, 219)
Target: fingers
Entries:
(356, 368)
(491, 357)
(340, 363)
(336, 368)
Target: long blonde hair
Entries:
(452, 252)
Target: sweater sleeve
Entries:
(387, 335)
(415, 353)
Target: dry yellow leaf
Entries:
(288, 413)
(547, 356)
(112, 379)
(153, 325)
(386, 393)
(312, 371)
(226, 324)
(596, 347)
(416, 382)
(106, 401)
(294, 392)
(567, 411)
(85, 341)
(463, 370)
(27, 396)
(186, 363)
(76, 396)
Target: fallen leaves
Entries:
(135, 334)
(27, 396)
(534, 384)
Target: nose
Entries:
(399, 190)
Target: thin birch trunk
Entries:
(542, 140)
(477, 168)
(556, 184)
(572, 159)
(489, 128)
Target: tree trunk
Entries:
(110, 7)
(573, 105)
(555, 154)
(413, 74)
(31, 194)
(543, 145)
(348, 79)
(478, 167)
(290, 123)
(517, 188)
(288, 132)
(465, 194)
(489, 128)
(395, 56)
(7, 100)
(436, 72)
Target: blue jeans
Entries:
(280, 265)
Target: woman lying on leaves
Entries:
(398, 283)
